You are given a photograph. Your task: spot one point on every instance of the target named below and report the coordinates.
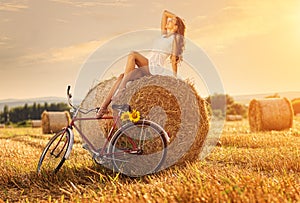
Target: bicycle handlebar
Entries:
(89, 110)
(68, 91)
(69, 96)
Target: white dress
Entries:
(162, 49)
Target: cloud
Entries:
(75, 53)
(4, 41)
(13, 5)
(83, 4)
(60, 20)
(6, 44)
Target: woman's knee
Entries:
(132, 55)
(121, 76)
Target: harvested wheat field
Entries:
(247, 167)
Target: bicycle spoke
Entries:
(138, 149)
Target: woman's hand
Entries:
(169, 14)
(164, 20)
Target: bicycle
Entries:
(134, 149)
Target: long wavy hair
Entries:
(179, 37)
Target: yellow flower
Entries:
(134, 116)
(125, 116)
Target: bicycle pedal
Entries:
(99, 160)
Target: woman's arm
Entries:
(174, 65)
(165, 16)
(175, 55)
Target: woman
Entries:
(170, 45)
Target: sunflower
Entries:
(134, 116)
(125, 116)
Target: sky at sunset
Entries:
(254, 44)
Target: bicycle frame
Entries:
(72, 125)
(110, 134)
(92, 148)
(127, 139)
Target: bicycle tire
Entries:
(58, 145)
(139, 148)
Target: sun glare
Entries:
(294, 19)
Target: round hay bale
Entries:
(270, 114)
(172, 103)
(176, 106)
(296, 106)
(36, 123)
(53, 121)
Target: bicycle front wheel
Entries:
(53, 156)
(138, 148)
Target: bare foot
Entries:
(101, 112)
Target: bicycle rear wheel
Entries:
(138, 148)
(53, 156)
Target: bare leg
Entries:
(135, 58)
(133, 75)
(103, 108)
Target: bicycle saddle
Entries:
(121, 107)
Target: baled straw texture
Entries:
(170, 102)
(53, 121)
(176, 106)
(234, 117)
(36, 123)
(270, 114)
(296, 106)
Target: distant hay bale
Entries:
(276, 95)
(234, 117)
(2, 125)
(54, 121)
(270, 114)
(36, 123)
(296, 106)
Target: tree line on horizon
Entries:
(29, 112)
(225, 105)
(34, 111)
